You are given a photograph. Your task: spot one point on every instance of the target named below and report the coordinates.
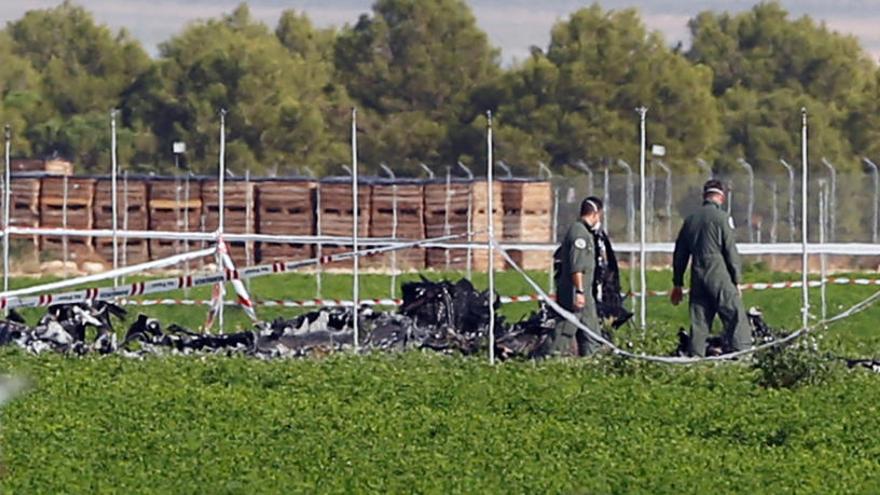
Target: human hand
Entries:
(675, 296)
(580, 300)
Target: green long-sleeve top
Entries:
(708, 240)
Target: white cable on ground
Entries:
(573, 319)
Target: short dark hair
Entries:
(590, 205)
(713, 186)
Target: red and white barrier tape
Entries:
(313, 303)
(14, 299)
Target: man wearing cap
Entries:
(575, 263)
(707, 240)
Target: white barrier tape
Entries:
(573, 319)
(119, 272)
(12, 300)
(306, 303)
(844, 249)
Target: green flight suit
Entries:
(707, 239)
(576, 254)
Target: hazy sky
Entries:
(512, 25)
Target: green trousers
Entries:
(727, 305)
(569, 340)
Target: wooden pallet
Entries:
(131, 194)
(163, 248)
(286, 207)
(408, 200)
(337, 209)
(238, 216)
(533, 260)
(527, 211)
(78, 248)
(77, 206)
(131, 251)
(169, 211)
(272, 252)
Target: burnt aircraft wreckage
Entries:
(447, 317)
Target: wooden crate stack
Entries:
(528, 218)
(24, 208)
(78, 204)
(438, 210)
(239, 215)
(131, 196)
(410, 222)
(285, 207)
(337, 215)
(168, 211)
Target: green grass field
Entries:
(421, 422)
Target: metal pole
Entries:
(221, 172)
(606, 195)
(805, 267)
(506, 169)
(643, 282)
(774, 223)
(705, 167)
(490, 221)
(7, 199)
(113, 196)
(791, 227)
(355, 288)
(751, 205)
(319, 247)
(470, 230)
(630, 226)
(64, 241)
(832, 201)
(125, 219)
(823, 218)
(393, 226)
(586, 168)
(553, 220)
(446, 206)
(668, 198)
(248, 211)
(186, 224)
(876, 203)
(428, 170)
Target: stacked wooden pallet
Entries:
(447, 210)
(239, 216)
(336, 214)
(407, 199)
(459, 208)
(24, 210)
(285, 207)
(67, 201)
(528, 218)
(169, 210)
(131, 214)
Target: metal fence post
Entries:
(832, 201)
(64, 246)
(751, 204)
(876, 202)
(791, 223)
(393, 226)
(470, 230)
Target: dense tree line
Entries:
(423, 74)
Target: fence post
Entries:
(832, 201)
(876, 203)
(64, 247)
(791, 224)
(470, 227)
(393, 226)
(7, 199)
(630, 228)
(751, 204)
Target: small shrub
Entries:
(792, 365)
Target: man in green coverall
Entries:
(575, 264)
(707, 240)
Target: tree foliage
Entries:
(423, 75)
